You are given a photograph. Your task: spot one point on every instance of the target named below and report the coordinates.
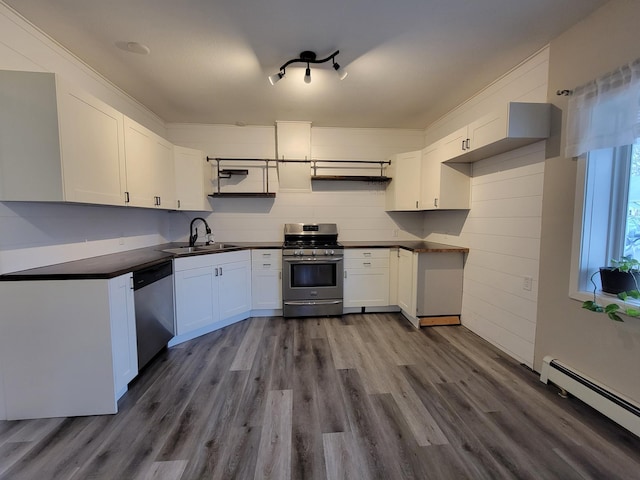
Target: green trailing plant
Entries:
(613, 310)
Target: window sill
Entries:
(603, 298)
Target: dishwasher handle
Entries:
(149, 275)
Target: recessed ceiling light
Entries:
(134, 47)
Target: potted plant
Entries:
(621, 279)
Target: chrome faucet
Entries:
(194, 236)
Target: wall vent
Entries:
(619, 409)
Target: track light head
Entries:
(276, 77)
(342, 73)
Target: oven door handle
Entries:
(312, 259)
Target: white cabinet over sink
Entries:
(189, 169)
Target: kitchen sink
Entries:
(213, 247)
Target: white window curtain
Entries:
(605, 113)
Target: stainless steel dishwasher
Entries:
(153, 298)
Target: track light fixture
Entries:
(309, 57)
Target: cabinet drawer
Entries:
(359, 253)
(266, 259)
(351, 263)
(209, 260)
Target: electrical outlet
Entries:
(527, 283)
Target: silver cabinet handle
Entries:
(435, 202)
(463, 145)
(216, 271)
(220, 271)
(178, 203)
(366, 264)
(468, 145)
(126, 197)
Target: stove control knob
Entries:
(314, 253)
(298, 252)
(326, 252)
(331, 252)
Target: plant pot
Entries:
(614, 281)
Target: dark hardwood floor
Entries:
(357, 397)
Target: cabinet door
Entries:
(404, 191)
(430, 178)
(453, 144)
(163, 173)
(488, 129)
(366, 287)
(123, 330)
(189, 174)
(234, 288)
(196, 298)
(266, 289)
(140, 148)
(92, 143)
(406, 282)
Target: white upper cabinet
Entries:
(444, 186)
(150, 170)
(189, 169)
(58, 143)
(404, 191)
(512, 126)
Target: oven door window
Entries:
(313, 275)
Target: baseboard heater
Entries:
(611, 404)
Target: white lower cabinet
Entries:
(212, 291)
(266, 279)
(366, 277)
(67, 347)
(407, 283)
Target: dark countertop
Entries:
(116, 264)
(414, 246)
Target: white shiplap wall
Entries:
(357, 208)
(503, 233)
(502, 229)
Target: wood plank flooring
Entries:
(357, 397)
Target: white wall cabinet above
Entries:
(58, 143)
(513, 126)
(150, 167)
(421, 182)
(189, 170)
(444, 186)
(403, 193)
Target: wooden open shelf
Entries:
(243, 194)
(353, 178)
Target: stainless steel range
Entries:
(312, 270)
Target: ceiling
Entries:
(409, 61)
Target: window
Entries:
(610, 223)
(603, 132)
